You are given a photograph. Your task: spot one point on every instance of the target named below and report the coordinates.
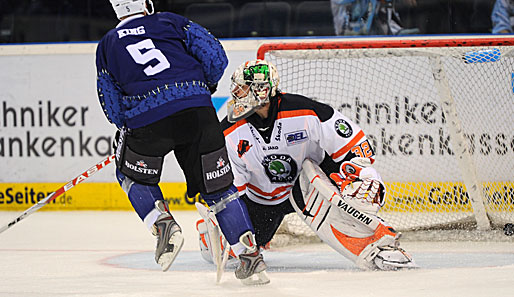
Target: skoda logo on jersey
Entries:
(280, 168)
(343, 128)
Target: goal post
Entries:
(439, 112)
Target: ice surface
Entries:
(111, 254)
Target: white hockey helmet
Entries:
(125, 8)
(253, 84)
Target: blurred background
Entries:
(29, 21)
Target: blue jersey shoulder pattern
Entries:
(207, 49)
(110, 96)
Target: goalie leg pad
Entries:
(369, 247)
(351, 231)
(213, 245)
(205, 242)
(379, 251)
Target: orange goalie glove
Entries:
(358, 180)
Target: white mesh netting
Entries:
(392, 94)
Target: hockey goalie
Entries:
(289, 154)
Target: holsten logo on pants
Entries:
(222, 168)
(141, 167)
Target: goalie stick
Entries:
(66, 187)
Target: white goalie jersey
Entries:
(267, 162)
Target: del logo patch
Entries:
(296, 137)
(280, 168)
(343, 128)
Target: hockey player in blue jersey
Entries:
(155, 76)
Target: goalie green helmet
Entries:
(253, 84)
(124, 8)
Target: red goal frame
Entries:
(384, 43)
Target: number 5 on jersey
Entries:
(152, 53)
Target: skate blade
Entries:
(393, 266)
(167, 259)
(257, 279)
(405, 264)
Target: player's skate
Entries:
(251, 269)
(169, 236)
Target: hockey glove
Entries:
(358, 180)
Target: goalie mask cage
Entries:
(439, 113)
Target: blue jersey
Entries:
(150, 67)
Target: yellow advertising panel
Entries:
(86, 196)
(401, 197)
(445, 197)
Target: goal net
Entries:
(439, 113)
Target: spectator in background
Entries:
(368, 17)
(503, 16)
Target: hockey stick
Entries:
(217, 239)
(86, 174)
(221, 267)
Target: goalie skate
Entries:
(385, 254)
(394, 257)
(169, 236)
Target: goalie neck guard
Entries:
(253, 84)
(124, 8)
